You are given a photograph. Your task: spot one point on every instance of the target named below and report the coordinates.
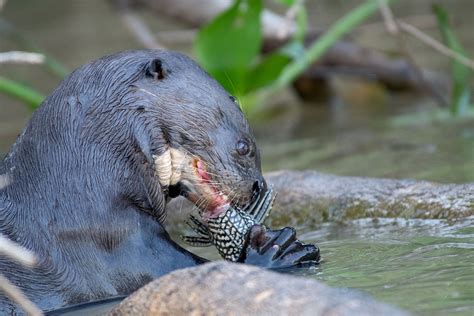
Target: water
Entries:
(425, 266)
(380, 140)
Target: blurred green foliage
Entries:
(22, 92)
(52, 65)
(461, 94)
(229, 48)
(18, 90)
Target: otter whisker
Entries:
(149, 92)
(200, 128)
(185, 132)
(202, 203)
(233, 197)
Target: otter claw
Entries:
(278, 249)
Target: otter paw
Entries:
(277, 249)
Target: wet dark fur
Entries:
(83, 194)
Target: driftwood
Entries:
(344, 58)
(310, 198)
(350, 60)
(221, 288)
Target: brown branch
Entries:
(439, 47)
(424, 21)
(137, 27)
(15, 294)
(392, 26)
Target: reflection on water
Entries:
(370, 142)
(426, 266)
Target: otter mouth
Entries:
(207, 195)
(189, 177)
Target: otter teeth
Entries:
(169, 166)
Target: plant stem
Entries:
(22, 92)
(51, 64)
(322, 44)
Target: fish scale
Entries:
(228, 232)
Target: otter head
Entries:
(201, 144)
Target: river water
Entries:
(424, 266)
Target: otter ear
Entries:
(155, 69)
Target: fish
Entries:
(228, 232)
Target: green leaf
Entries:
(461, 94)
(266, 72)
(27, 95)
(229, 44)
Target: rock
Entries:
(222, 288)
(310, 195)
(310, 198)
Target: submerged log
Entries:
(310, 198)
(221, 288)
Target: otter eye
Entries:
(243, 147)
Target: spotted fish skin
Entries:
(228, 231)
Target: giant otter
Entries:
(91, 173)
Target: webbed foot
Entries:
(278, 249)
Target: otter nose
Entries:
(258, 186)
